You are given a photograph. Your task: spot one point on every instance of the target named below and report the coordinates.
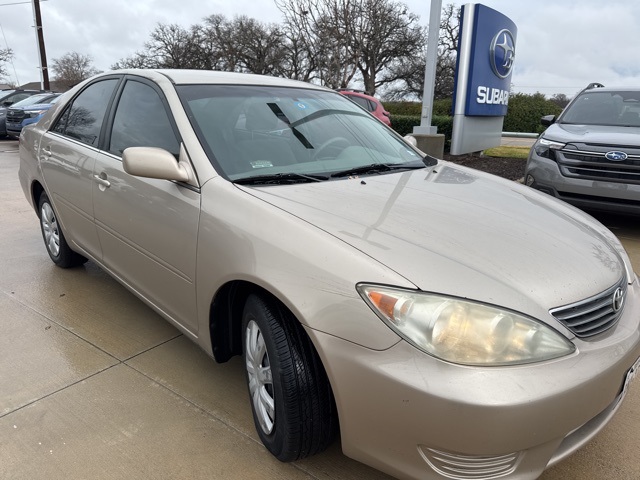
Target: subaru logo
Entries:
(502, 54)
(618, 299)
(616, 156)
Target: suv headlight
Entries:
(464, 332)
(546, 148)
(34, 113)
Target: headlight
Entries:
(464, 332)
(546, 148)
(34, 113)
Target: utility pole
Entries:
(44, 71)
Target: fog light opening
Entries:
(529, 181)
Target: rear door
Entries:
(67, 156)
(147, 227)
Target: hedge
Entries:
(403, 124)
(523, 115)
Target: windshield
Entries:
(604, 108)
(34, 100)
(290, 133)
(5, 93)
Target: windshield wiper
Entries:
(375, 168)
(280, 179)
(277, 111)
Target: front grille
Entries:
(591, 164)
(469, 467)
(593, 315)
(15, 116)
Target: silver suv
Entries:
(590, 155)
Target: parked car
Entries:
(590, 155)
(369, 103)
(452, 323)
(28, 111)
(8, 98)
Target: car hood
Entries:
(457, 231)
(594, 134)
(37, 106)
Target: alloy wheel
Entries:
(50, 229)
(260, 377)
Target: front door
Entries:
(147, 227)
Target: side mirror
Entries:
(411, 140)
(153, 162)
(548, 120)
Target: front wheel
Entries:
(54, 240)
(291, 399)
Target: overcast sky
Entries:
(561, 46)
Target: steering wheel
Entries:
(332, 143)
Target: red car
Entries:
(369, 103)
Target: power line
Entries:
(10, 59)
(16, 3)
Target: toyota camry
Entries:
(443, 322)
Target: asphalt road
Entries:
(94, 385)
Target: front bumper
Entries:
(544, 174)
(14, 129)
(403, 412)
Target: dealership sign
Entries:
(486, 54)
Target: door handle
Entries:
(102, 181)
(47, 150)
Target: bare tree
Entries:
(340, 39)
(321, 29)
(5, 56)
(386, 34)
(560, 99)
(242, 45)
(172, 46)
(72, 68)
(137, 60)
(257, 46)
(409, 72)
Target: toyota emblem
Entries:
(618, 299)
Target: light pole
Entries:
(425, 127)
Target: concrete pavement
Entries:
(94, 385)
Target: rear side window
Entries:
(82, 120)
(363, 102)
(141, 120)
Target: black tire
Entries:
(54, 240)
(304, 420)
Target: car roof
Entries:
(611, 89)
(356, 93)
(199, 77)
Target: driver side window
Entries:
(141, 120)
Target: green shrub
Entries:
(403, 124)
(443, 107)
(403, 108)
(523, 115)
(525, 111)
